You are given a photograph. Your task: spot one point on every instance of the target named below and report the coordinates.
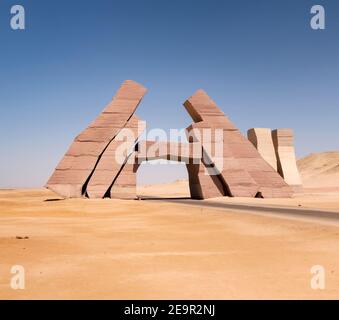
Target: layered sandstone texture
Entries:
(236, 163)
(103, 159)
(283, 140)
(261, 138)
(89, 163)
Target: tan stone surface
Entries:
(261, 138)
(202, 183)
(125, 185)
(110, 164)
(240, 177)
(287, 164)
(81, 158)
(91, 168)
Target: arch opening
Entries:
(162, 179)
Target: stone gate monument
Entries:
(220, 161)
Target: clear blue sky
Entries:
(259, 60)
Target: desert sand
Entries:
(320, 169)
(160, 249)
(152, 249)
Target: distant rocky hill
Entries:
(320, 169)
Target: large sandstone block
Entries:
(237, 173)
(206, 113)
(114, 158)
(77, 163)
(219, 159)
(202, 183)
(234, 179)
(261, 138)
(124, 187)
(283, 140)
(71, 176)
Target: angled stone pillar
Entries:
(72, 174)
(94, 166)
(287, 165)
(242, 170)
(113, 159)
(261, 138)
(203, 182)
(124, 186)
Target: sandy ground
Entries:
(320, 169)
(316, 198)
(115, 249)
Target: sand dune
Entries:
(320, 169)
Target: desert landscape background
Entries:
(162, 248)
(320, 169)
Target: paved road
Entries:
(310, 215)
